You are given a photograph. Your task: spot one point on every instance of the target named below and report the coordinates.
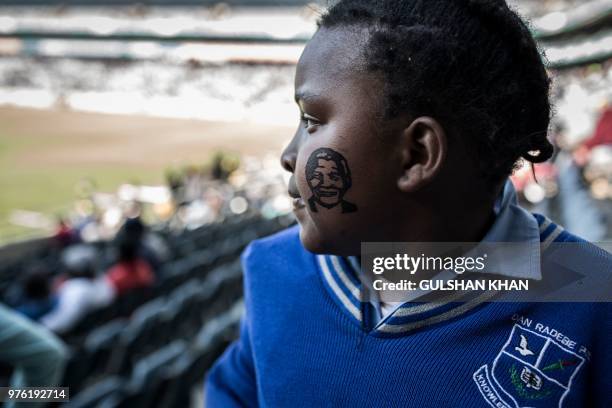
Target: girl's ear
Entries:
(424, 148)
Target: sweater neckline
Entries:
(349, 294)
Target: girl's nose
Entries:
(289, 156)
(288, 159)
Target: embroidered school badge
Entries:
(530, 370)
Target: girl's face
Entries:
(343, 164)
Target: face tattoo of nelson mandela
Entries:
(329, 178)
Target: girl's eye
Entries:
(309, 121)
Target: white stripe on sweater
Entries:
(401, 328)
(336, 289)
(345, 279)
(551, 238)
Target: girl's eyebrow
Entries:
(304, 96)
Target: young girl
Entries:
(413, 115)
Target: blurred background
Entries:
(139, 146)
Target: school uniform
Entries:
(308, 340)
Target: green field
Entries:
(44, 154)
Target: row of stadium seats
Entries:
(165, 377)
(187, 242)
(151, 351)
(115, 347)
(150, 346)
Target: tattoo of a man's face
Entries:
(329, 178)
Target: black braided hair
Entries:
(471, 64)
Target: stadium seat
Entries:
(174, 276)
(133, 299)
(177, 381)
(95, 393)
(135, 339)
(219, 327)
(140, 391)
(185, 302)
(76, 369)
(165, 326)
(100, 343)
(172, 389)
(188, 371)
(91, 320)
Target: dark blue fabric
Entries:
(299, 348)
(35, 309)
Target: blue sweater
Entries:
(303, 345)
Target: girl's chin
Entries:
(311, 239)
(314, 241)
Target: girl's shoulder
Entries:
(279, 267)
(276, 251)
(284, 240)
(555, 238)
(588, 266)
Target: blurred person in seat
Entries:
(602, 137)
(37, 356)
(36, 298)
(149, 246)
(81, 291)
(131, 270)
(64, 235)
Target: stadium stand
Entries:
(152, 346)
(155, 355)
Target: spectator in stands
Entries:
(134, 231)
(64, 235)
(36, 355)
(80, 293)
(193, 184)
(131, 270)
(36, 297)
(601, 137)
(175, 184)
(603, 132)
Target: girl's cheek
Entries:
(300, 169)
(300, 177)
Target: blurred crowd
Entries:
(86, 280)
(88, 277)
(230, 92)
(110, 256)
(575, 187)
